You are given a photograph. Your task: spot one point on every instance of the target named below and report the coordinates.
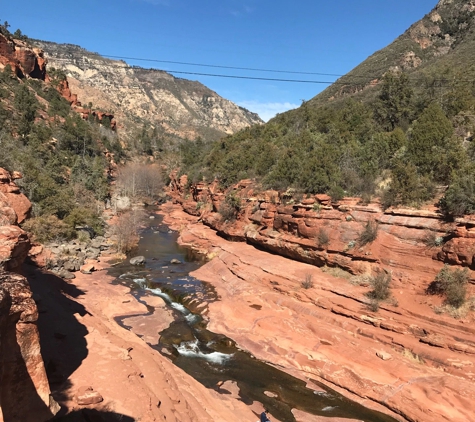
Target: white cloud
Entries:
(267, 110)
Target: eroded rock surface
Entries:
(23, 59)
(404, 356)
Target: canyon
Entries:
(409, 356)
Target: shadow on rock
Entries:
(92, 415)
(62, 336)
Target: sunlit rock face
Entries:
(24, 60)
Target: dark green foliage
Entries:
(459, 199)
(230, 207)
(26, 106)
(429, 141)
(393, 107)
(452, 284)
(369, 233)
(407, 186)
(82, 216)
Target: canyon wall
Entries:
(24, 388)
(409, 243)
(411, 354)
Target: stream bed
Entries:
(213, 358)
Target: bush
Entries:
(452, 284)
(125, 231)
(459, 199)
(381, 286)
(308, 282)
(431, 240)
(87, 218)
(369, 233)
(322, 238)
(230, 207)
(48, 228)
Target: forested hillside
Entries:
(399, 126)
(64, 158)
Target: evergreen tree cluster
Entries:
(402, 144)
(60, 155)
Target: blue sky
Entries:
(301, 36)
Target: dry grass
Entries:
(413, 357)
(337, 272)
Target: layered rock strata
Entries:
(406, 356)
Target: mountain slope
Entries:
(443, 39)
(176, 107)
(399, 126)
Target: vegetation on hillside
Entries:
(60, 155)
(405, 139)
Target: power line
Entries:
(220, 66)
(221, 75)
(365, 79)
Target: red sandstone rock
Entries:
(24, 388)
(86, 396)
(14, 246)
(328, 332)
(23, 60)
(10, 195)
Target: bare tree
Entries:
(125, 232)
(137, 180)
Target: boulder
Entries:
(137, 260)
(87, 268)
(86, 396)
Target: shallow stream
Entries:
(212, 358)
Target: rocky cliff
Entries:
(23, 60)
(176, 107)
(408, 354)
(24, 388)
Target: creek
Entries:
(212, 358)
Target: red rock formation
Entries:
(10, 194)
(24, 61)
(24, 389)
(332, 332)
(65, 91)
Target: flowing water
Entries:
(211, 358)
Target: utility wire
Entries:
(220, 66)
(365, 79)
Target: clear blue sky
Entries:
(300, 35)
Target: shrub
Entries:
(230, 207)
(431, 240)
(48, 228)
(369, 233)
(381, 286)
(308, 282)
(452, 284)
(322, 238)
(126, 230)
